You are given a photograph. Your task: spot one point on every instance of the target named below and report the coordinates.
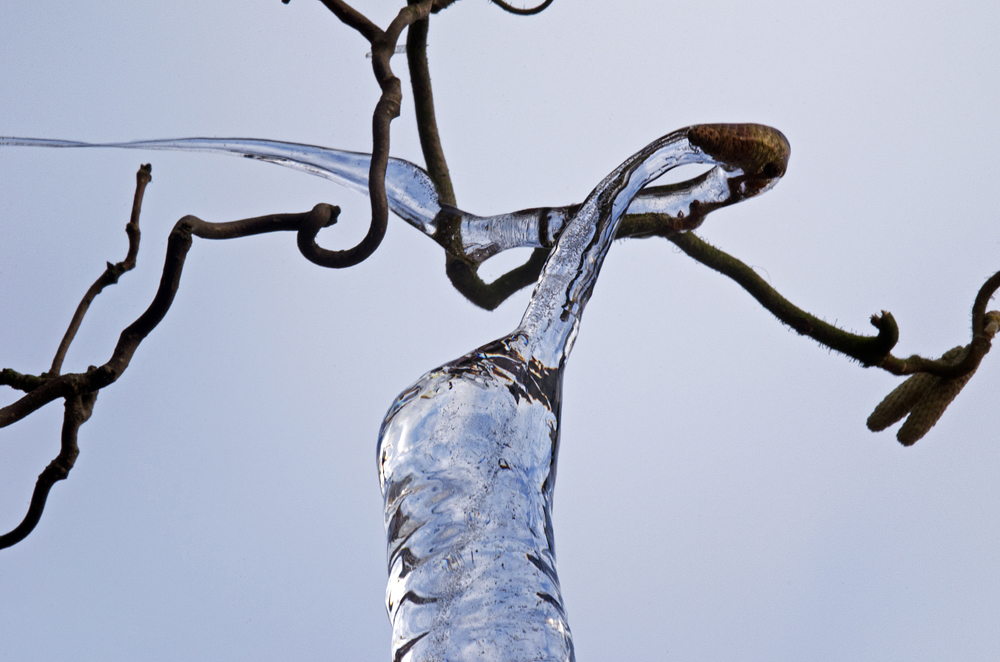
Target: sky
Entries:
(719, 496)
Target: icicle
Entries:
(467, 455)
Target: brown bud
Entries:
(757, 149)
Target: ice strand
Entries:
(412, 196)
(409, 189)
(467, 454)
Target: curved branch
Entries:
(984, 328)
(14, 379)
(78, 410)
(986, 293)
(522, 12)
(178, 244)
(465, 278)
(383, 45)
(423, 103)
(865, 349)
(350, 16)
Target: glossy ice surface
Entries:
(409, 189)
(467, 464)
(411, 193)
(467, 459)
(467, 455)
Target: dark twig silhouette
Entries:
(383, 45)
(522, 12)
(933, 383)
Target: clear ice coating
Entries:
(412, 196)
(467, 454)
(409, 189)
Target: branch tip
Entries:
(522, 12)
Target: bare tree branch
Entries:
(868, 350)
(78, 410)
(383, 47)
(522, 12)
(111, 274)
(178, 244)
(423, 103)
(923, 397)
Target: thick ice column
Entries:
(467, 459)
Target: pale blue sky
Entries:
(719, 497)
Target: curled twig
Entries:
(178, 244)
(383, 44)
(320, 217)
(935, 384)
(522, 12)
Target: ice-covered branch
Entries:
(473, 239)
(467, 455)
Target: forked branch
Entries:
(111, 274)
(80, 389)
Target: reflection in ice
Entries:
(467, 455)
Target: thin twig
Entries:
(465, 278)
(78, 410)
(111, 273)
(383, 44)
(867, 350)
(979, 346)
(178, 244)
(423, 103)
(350, 16)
